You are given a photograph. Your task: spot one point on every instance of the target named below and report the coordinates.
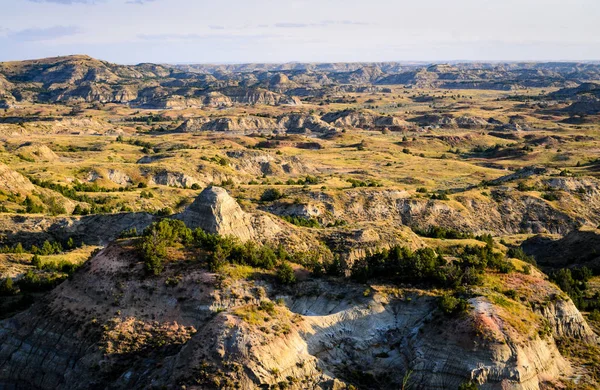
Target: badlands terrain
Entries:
(299, 226)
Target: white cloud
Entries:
(44, 34)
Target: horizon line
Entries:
(411, 61)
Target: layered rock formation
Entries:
(108, 324)
(14, 182)
(216, 212)
(365, 120)
(295, 123)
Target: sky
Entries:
(240, 31)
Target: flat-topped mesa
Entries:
(215, 211)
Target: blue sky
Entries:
(200, 31)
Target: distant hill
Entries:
(80, 78)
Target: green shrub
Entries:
(157, 238)
(164, 212)
(441, 195)
(129, 233)
(36, 261)
(285, 273)
(271, 195)
(31, 207)
(470, 385)
(146, 195)
(550, 196)
(7, 287)
(594, 315)
(33, 282)
(450, 305)
(518, 253)
(300, 221)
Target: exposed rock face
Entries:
(364, 120)
(261, 163)
(217, 212)
(118, 177)
(258, 96)
(11, 181)
(471, 122)
(511, 215)
(61, 126)
(115, 175)
(7, 100)
(567, 321)
(217, 99)
(572, 184)
(305, 124)
(240, 124)
(524, 173)
(506, 212)
(444, 121)
(292, 123)
(333, 335)
(172, 179)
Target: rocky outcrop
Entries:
(114, 175)
(260, 163)
(259, 96)
(118, 177)
(171, 179)
(364, 120)
(234, 124)
(444, 121)
(13, 182)
(296, 123)
(64, 125)
(216, 212)
(216, 99)
(471, 122)
(566, 321)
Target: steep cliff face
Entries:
(110, 324)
